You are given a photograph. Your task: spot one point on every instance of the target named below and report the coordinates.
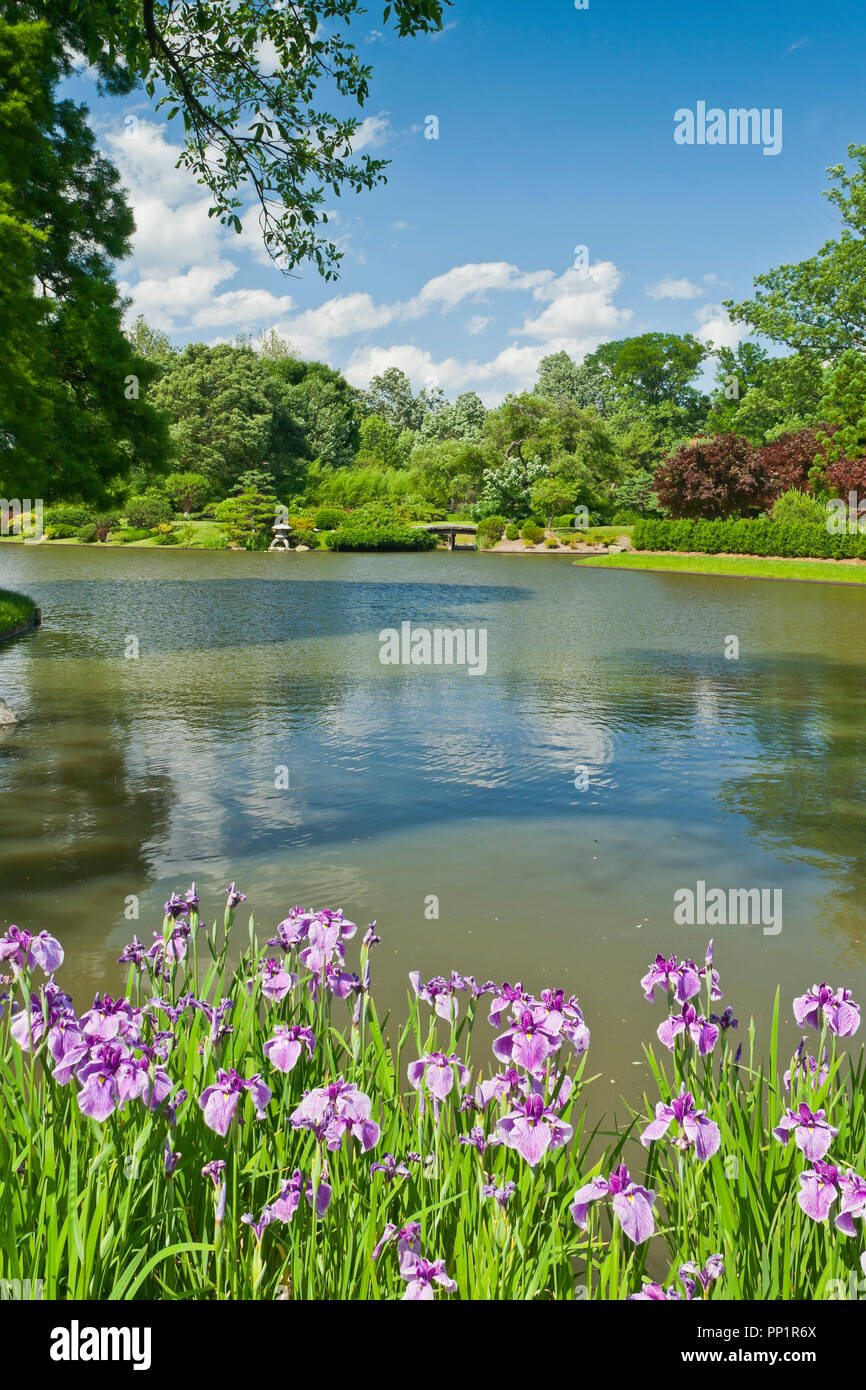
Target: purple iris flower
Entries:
(294, 929)
(108, 1081)
(503, 1086)
(390, 1167)
(819, 1188)
(477, 1139)
(632, 1204)
(284, 1049)
(220, 1101)
(838, 1011)
(336, 981)
(502, 1195)
(530, 1040)
(696, 1128)
(654, 1293)
(712, 1270)
(258, 1227)
(509, 997)
(853, 1191)
(807, 1068)
(24, 951)
(439, 993)
(67, 1048)
(572, 1025)
(812, 1134)
(214, 1170)
(680, 979)
(335, 1110)
(276, 980)
(287, 1203)
(533, 1128)
(29, 1024)
(701, 1032)
(420, 1276)
(170, 1160)
(325, 946)
(234, 898)
(408, 1239)
(725, 1020)
(133, 954)
(111, 1018)
(440, 1073)
(215, 1013)
(176, 907)
(370, 939)
(690, 1275)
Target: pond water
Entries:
(610, 755)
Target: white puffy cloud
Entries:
(716, 327)
(189, 276)
(580, 312)
(669, 287)
(372, 132)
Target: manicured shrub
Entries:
(531, 533)
(87, 533)
(328, 518)
(131, 533)
(552, 542)
(566, 521)
(373, 528)
(713, 476)
(627, 517)
(150, 510)
(795, 508)
(759, 536)
(490, 530)
(512, 531)
(68, 516)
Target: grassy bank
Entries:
(375, 1168)
(734, 566)
(14, 610)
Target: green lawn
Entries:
(735, 566)
(14, 609)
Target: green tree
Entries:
(231, 411)
(589, 385)
(74, 409)
(244, 79)
(844, 407)
(324, 405)
(763, 397)
(188, 492)
(819, 305)
(249, 518)
(389, 396)
(550, 496)
(377, 446)
(150, 342)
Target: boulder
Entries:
(6, 715)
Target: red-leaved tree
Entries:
(846, 475)
(717, 475)
(788, 460)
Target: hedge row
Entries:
(757, 537)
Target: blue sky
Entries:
(555, 131)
